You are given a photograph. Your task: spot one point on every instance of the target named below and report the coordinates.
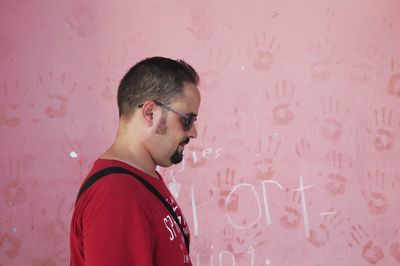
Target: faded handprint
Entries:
(384, 137)
(201, 21)
(283, 103)
(106, 65)
(362, 65)
(82, 18)
(13, 192)
(321, 235)
(54, 234)
(331, 128)
(374, 192)
(370, 252)
(225, 185)
(243, 239)
(52, 84)
(216, 61)
(228, 234)
(11, 99)
(264, 163)
(202, 247)
(60, 110)
(290, 220)
(10, 245)
(205, 136)
(265, 52)
(321, 57)
(336, 181)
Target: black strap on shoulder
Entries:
(119, 170)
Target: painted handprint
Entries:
(225, 185)
(322, 234)
(290, 220)
(244, 239)
(283, 103)
(370, 251)
(335, 179)
(265, 157)
(302, 148)
(374, 192)
(265, 52)
(52, 84)
(384, 137)
(330, 126)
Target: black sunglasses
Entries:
(188, 119)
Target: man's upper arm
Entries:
(116, 229)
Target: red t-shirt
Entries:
(118, 221)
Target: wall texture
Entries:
(297, 159)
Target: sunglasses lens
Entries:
(189, 122)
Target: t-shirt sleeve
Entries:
(117, 230)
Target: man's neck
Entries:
(134, 156)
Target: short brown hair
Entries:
(155, 78)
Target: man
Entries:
(118, 220)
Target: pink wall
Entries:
(298, 129)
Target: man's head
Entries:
(161, 96)
(156, 78)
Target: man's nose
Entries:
(192, 133)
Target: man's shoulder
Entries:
(112, 184)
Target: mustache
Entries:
(186, 141)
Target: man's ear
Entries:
(147, 112)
